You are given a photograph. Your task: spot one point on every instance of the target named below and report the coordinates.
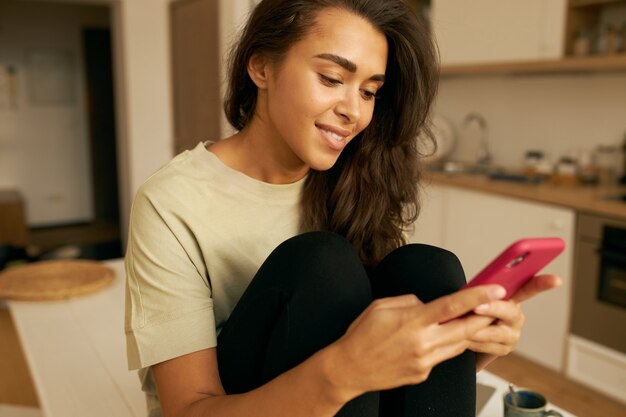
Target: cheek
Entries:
(304, 98)
(319, 97)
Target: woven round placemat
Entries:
(54, 280)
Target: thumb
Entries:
(536, 285)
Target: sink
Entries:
(455, 167)
(492, 173)
(520, 178)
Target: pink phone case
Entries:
(518, 263)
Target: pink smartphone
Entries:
(519, 263)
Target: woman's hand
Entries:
(502, 336)
(507, 321)
(398, 340)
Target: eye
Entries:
(331, 82)
(368, 95)
(371, 95)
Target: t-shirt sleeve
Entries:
(169, 309)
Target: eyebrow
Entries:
(348, 65)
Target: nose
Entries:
(349, 107)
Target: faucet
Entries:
(483, 156)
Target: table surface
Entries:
(76, 352)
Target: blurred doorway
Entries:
(100, 238)
(101, 122)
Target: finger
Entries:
(424, 365)
(491, 348)
(456, 331)
(506, 311)
(536, 285)
(496, 334)
(402, 301)
(447, 352)
(459, 303)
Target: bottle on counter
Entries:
(565, 172)
(608, 162)
(532, 161)
(607, 42)
(582, 42)
(621, 39)
(587, 170)
(623, 179)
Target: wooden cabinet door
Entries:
(195, 71)
(481, 31)
(429, 226)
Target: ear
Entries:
(258, 70)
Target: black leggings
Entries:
(304, 297)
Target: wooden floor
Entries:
(16, 386)
(569, 395)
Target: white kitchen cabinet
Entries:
(477, 226)
(429, 227)
(481, 31)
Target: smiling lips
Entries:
(335, 137)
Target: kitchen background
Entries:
(509, 63)
(531, 91)
(557, 112)
(44, 113)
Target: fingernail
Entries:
(483, 308)
(497, 293)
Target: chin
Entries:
(323, 164)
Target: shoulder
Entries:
(181, 168)
(179, 179)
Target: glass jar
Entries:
(607, 42)
(532, 161)
(582, 42)
(607, 162)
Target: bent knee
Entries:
(424, 270)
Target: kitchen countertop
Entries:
(582, 198)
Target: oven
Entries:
(599, 309)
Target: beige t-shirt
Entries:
(199, 231)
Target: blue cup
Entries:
(528, 404)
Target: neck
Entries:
(260, 155)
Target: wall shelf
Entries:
(592, 64)
(585, 3)
(580, 15)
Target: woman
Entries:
(233, 311)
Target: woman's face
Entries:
(322, 93)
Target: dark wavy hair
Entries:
(371, 195)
